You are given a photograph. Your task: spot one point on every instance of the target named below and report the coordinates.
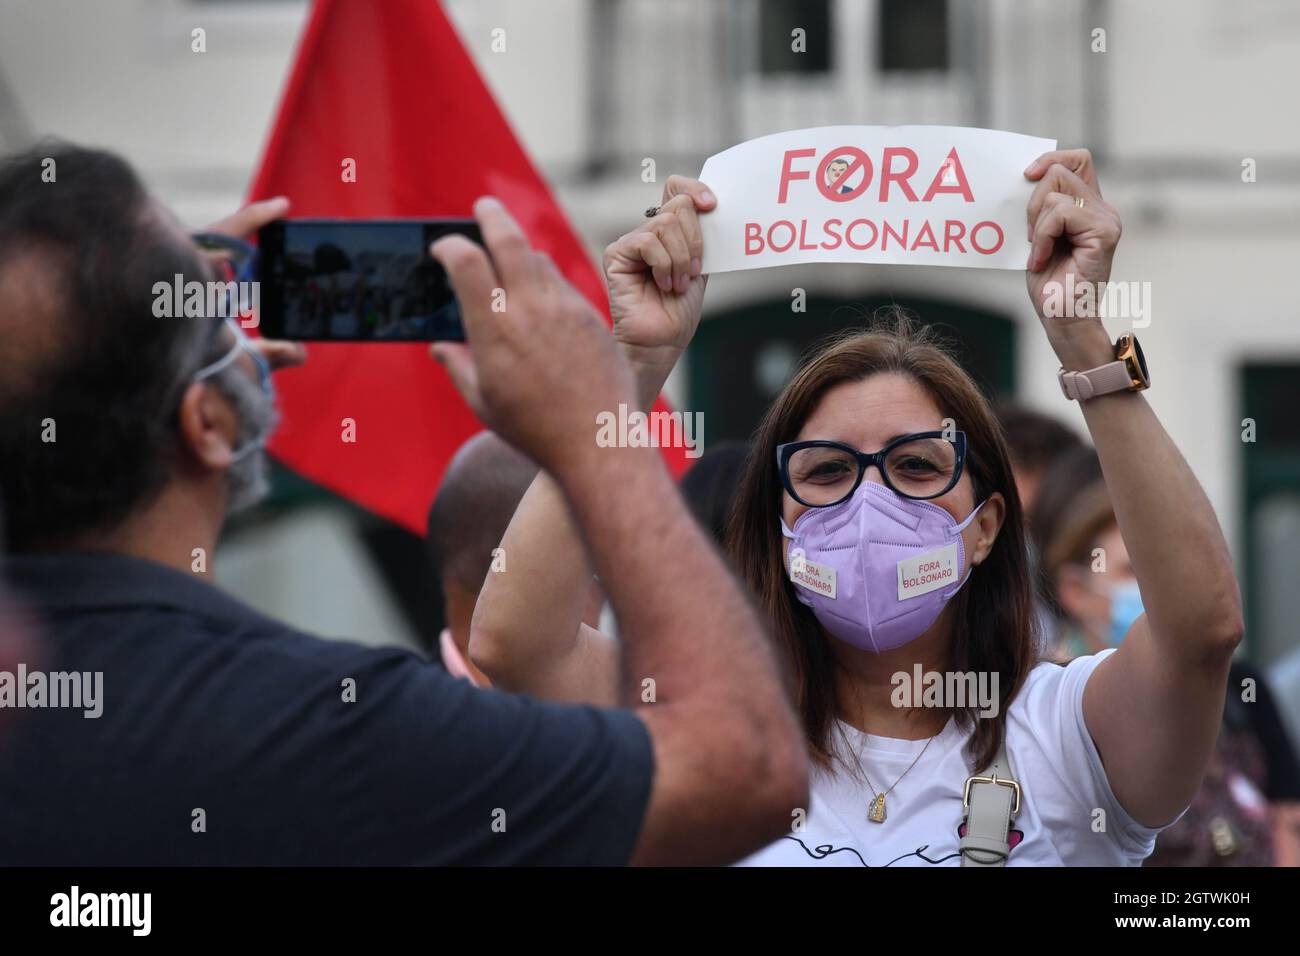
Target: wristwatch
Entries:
(1127, 373)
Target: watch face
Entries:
(1141, 359)
(1129, 351)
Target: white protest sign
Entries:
(909, 195)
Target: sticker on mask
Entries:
(928, 572)
(813, 576)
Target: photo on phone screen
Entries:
(358, 280)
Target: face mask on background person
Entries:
(878, 568)
(254, 405)
(1125, 608)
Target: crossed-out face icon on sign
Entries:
(836, 170)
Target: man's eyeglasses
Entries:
(235, 263)
(924, 465)
(236, 258)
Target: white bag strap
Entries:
(991, 803)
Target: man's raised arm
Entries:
(731, 766)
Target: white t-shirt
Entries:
(1068, 814)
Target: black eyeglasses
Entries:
(239, 258)
(924, 465)
(236, 263)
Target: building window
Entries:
(913, 35)
(781, 49)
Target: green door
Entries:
(740, 359)
(1270, 508)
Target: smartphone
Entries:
(358, 280)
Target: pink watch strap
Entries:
(1081, 386)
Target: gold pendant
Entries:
(876, 813)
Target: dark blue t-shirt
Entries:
(208, 705)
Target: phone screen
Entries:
(358, 280)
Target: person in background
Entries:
(1045, 457)
(1085, 578)
(480, 490)
(1035, 440)
(478, 495)
(1062, 480)
(229, 738)
(1246, 810)
(709, 484)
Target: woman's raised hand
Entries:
(656, 288)
(1073, 232)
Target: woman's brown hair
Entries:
(995, 622)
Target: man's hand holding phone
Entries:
(244, 224)
(539, 364)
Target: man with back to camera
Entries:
(229, 738)
(479, 492)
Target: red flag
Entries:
(389, 86)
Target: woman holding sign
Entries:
(879, 530)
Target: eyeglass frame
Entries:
(865, 460)
(243, 258)
(243, 264)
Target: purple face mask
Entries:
(877, 569)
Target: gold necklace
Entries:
(876, 811)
